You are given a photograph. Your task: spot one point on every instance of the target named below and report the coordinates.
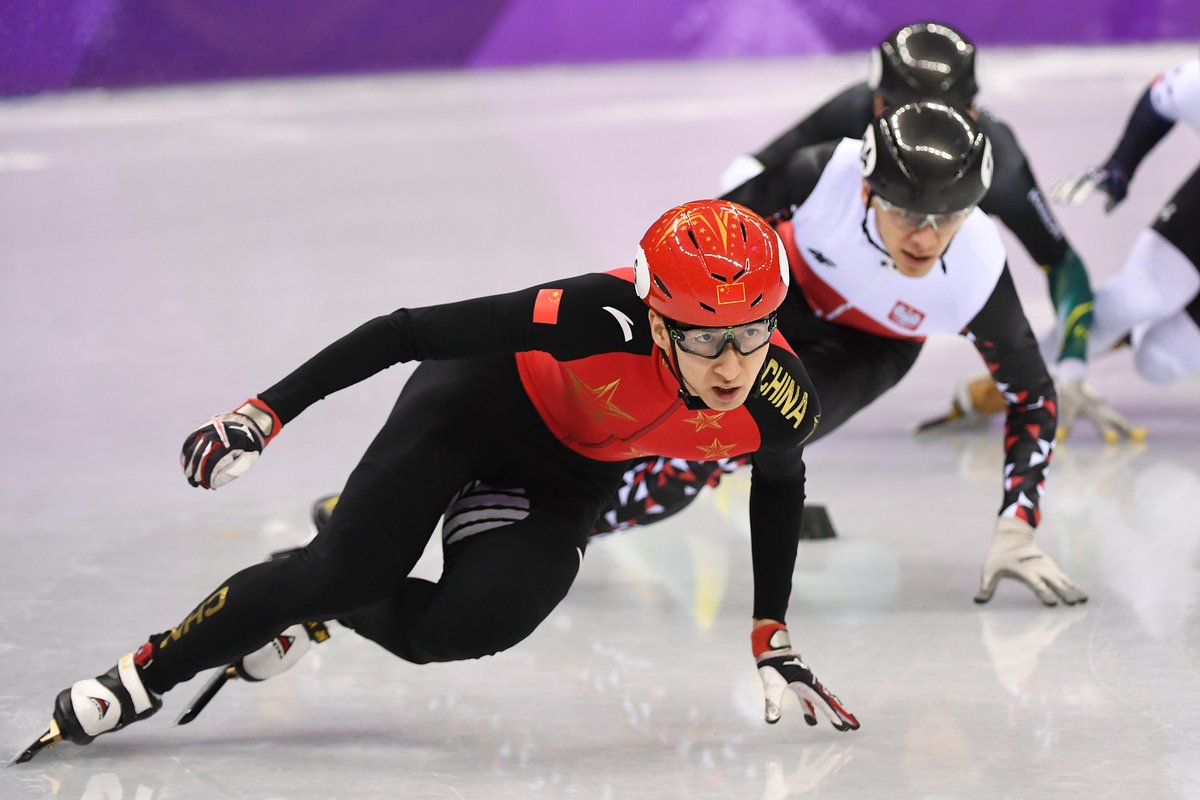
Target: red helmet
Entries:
(711, 263)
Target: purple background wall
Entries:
(59, 44)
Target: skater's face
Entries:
(914, 241)
(724, 382)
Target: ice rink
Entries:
(167, 253)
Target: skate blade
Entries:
(938, 423)
(206, 694)
(51, 737)
(951, 423)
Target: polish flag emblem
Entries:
(906, 316)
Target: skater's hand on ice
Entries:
(1078, 399)
(228, 444)
(780, 669)
(1014, 555)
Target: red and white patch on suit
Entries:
(906, 316)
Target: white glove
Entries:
(1074, 190)
(740, 170)
(780, 669)
(1014, 555)
(1077, 398)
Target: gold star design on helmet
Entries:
(716, 450)
(597, 401)
(701, 420)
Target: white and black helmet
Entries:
(927, 157)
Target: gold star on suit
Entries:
(597, 401)
(702, 420)
(716, 450)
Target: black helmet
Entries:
(927, 157)
(924, 61)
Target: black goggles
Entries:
(710, 342)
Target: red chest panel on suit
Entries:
(618, 406)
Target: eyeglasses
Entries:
(710, 342)
(914, 220)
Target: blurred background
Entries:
(69, 44)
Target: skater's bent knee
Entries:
(1160, 367)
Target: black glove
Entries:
(780, 668)
(228, 444)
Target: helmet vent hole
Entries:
(692, 236)
(662, 286)
(757, 300)
(707, 307)
(745, 236)
(740, 273)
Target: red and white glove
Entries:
(228, 444)
(780, 668)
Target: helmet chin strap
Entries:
(690, 401)
(867, 231)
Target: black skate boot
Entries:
(100, 705)
(318, 516)
(322, 509)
